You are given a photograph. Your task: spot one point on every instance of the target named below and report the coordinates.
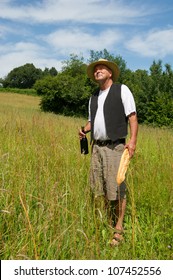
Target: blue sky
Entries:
(46, 32)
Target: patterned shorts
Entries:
(104, 167)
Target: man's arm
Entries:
(87, 129)
(133, 122)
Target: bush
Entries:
(64, 94)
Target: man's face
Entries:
(101, 72)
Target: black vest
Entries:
(115, 118)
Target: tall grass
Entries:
(45, 201)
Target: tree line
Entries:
(68, 91)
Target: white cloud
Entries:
(4, 30)
(60, 43)
(156, 43)
(45, 32)
(75, 40)
(13, 56)
(88, 11)
(20, 47)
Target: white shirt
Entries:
(99, 122)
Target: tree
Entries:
(74, 67)
(22, 77)
(52, 71)
(46, 85)
(69, 97)
(139, 83)
(67, 93)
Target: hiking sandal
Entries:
(117, 238)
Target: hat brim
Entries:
(111, 65)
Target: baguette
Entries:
(124, 162)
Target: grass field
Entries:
(45, 201)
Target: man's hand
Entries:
(131, 148)
(87, 128)
(81, 134)
(131, 144)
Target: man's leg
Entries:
(117, 212)
(120, 207)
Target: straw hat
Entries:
(111, 65)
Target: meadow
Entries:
(46, 210)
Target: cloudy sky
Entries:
(46, 32)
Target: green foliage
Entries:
(22, 77)
(69, 96)
(52, 72)
(67, 92)
(74, 67)
(46, 85)
(153, 94)
(70, 90)
(29, 91)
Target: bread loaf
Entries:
(124, 162)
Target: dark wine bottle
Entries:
(84, 144)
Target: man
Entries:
(111, 109)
